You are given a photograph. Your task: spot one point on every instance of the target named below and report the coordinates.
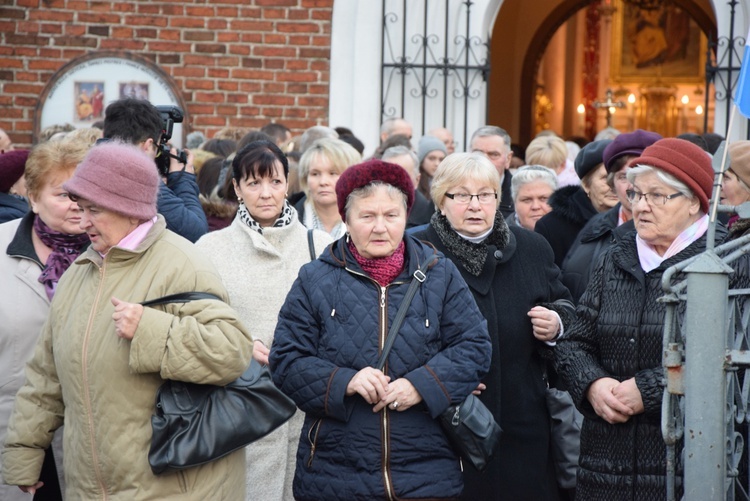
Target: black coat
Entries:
(506, 201)
(515, 277)
(618, 334)
(421, 211)
(599, 234)
(571, 210)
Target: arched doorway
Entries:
(519, 49)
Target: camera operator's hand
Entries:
(176, 166)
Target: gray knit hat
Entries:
(117, 177)
(428, 144)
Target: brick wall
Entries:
(237, 62)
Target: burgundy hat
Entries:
(360, 175)
(685, 161)
(117, 177)
(12, 166)
(631, 143)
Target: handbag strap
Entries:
(417, 278)
(181, 297)
(311, 244)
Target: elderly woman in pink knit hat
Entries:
(611, 358)
(102, 355)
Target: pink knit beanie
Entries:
(685, 161)
(117, 177)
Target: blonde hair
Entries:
(53, 159)
(457, 168)
(547, 151)
(340, 154)
(233, 133)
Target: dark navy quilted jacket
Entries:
(329, 328)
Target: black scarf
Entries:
(471, 255)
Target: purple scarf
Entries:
(65, 249)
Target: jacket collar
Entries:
(22, 245)
(337, 254)
(118, 254)
(601, 224)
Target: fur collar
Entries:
(572, 203)
(739, 228)
(472, 256)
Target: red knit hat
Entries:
(685, 161)
(360, 175)
(12, 166)
(117, 177)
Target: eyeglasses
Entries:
(465, 198)
(651, 198)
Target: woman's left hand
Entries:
(399, 396)
(127, 316)
(544, 323)
(628, 393)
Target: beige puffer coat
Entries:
(103, 387)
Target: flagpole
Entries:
(718, 180)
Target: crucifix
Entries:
(608, 105)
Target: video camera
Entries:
(170, 115)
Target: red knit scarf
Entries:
(383, 269)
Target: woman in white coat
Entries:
(258, 257)
(35, 250)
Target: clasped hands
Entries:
(378, 390)
(615, 401)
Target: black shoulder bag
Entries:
(197, 423)
(469, 426)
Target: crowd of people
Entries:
(544, 272)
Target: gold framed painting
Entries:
(658, 45)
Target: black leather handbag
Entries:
(472, 430)
(197, 423)
(470, 426)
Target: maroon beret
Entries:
(12, 166)
(360, 175)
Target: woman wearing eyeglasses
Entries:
(512, 276)
(611, 358)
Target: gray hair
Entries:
(530, 173)
(369, 189)
(491, 130)
(664, 177)
(389, 125)
(399, 151)
(313, 134)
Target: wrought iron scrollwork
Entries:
(424, 65)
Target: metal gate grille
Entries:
(432, 65)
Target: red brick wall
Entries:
(238, 62)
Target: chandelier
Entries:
(647, 4)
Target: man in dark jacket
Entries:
(138, 122)
(599, 233)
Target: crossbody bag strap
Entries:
(417, 279)
(311, 244)
(182, 297)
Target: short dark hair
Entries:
(276, 131)
(132, 121)
(220, 147)
(258, 159)
(252, 136)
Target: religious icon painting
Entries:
(135, 90)
(88, 101)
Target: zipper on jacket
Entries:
(383, 333)
(386, 427)
(86, 390)
(313, 439)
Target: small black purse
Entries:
(197, 423)
(470, 426)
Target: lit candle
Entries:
(581, 119)
(699, 117)
(631, 110)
